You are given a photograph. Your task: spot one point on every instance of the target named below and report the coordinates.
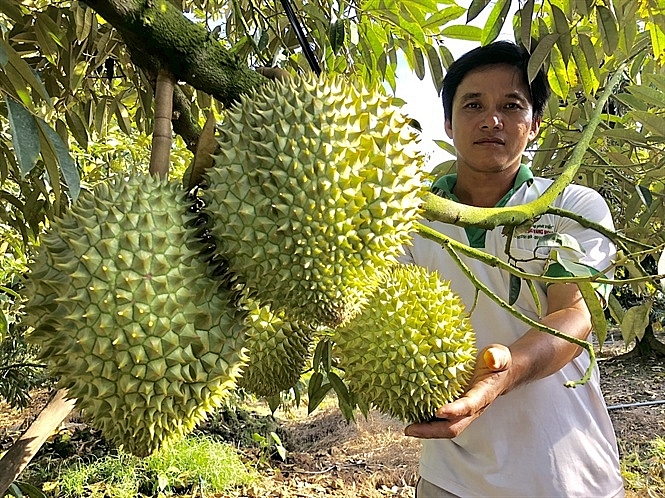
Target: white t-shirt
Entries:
(542, 439)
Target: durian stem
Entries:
(162, 132)
(448, 211)
(536, 325)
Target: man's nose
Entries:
(492, 120)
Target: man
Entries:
(517, 431)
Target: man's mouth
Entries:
(490, 141)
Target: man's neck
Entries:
(483, 189)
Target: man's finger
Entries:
(497, 358)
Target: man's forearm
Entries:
(538, 354)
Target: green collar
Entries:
(444, 188)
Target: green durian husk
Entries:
(129, 319)
(412, 349)
(278, 350)
(314, 192)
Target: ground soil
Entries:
(328, 457)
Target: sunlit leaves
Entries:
(495, 21)
(462, 32)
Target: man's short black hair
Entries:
(499, 52)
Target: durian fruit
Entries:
(127, 317)
(314, 192)
(278, 349)
(412, 349)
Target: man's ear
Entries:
(535, 128)
(448, 125)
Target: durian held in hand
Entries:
(313, 194)
(412, 349)
(127, 317)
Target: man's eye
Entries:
(513, 105)
(472, 105)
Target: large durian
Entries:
(412, 349)
(313, 193)
(127, 317)
(278, 349)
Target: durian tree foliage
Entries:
(78, 85)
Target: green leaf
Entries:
(561, 26)
(122, 116)
(419, 62)
(435, 67)
(12, 10)
(649, 95)
(539, 55)
(526, 13)
(645, 195)
(25, 135)
(336, 33)
(495, 21)
(29, 77)
(315, 382)
(4, 326)
(69, 170)
(77, 128)
(317, 396)
(557, 76)
(462, 32)
(616, 310)
(318, 354)
(635, 322)
(652, 122)
(446, 56)
(596, 309)
(515, 286)
(476, 7)
(609, 32)
(442, 17)
(589, 81)
(625, 134)
(447, 146)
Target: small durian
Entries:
(127, 317)
(314, 191)
(412, 349)
(278, 349)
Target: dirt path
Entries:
(371, 459)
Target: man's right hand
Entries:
(487, 384)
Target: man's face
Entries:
(492, 119)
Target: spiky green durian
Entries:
(412, 349)
(278, 349)
(313, 193)
(127, 317)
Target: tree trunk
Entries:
(26, 447)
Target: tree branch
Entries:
(156, 29)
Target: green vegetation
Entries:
(195, 462)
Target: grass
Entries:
(644, 471)
(199, 462)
